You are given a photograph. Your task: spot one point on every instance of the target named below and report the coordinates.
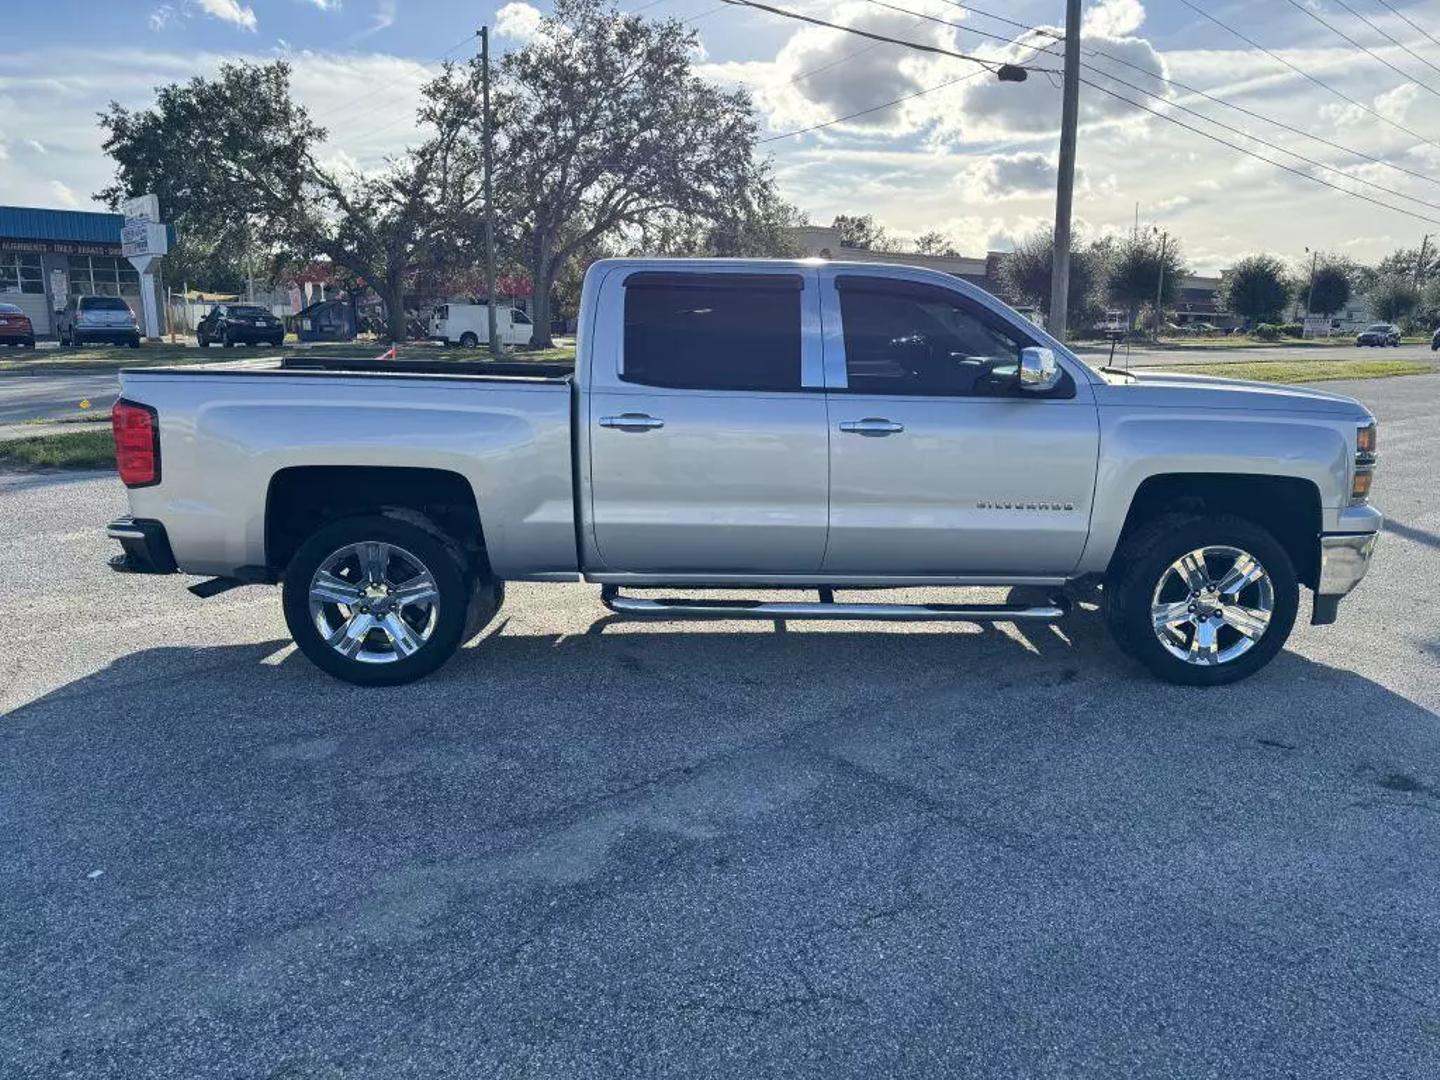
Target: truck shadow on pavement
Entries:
(820, 850)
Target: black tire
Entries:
(1141, 563)
(202, 341)
(456, 608)
(226, 340)
(134, 343)
(469, 341)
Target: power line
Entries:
(348, 107)
(1387, 35)
(1306, 75)
(1363, 48)
(1129, 101)
(1004, 19)
(1390, 7)
(872, 109)
(1260, 157)
(992, 65)
(1261, 116)
(1209, 120)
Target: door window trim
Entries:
(799, 279)
(836, 362)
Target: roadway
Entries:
(590, 848)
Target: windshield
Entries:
(103, 303)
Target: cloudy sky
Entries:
(963, 153)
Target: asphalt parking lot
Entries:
(595, 849)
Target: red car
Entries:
(15, 328)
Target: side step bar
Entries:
(681, 608)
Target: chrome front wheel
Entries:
(1212, 605)
(374, 602)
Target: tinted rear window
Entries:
(103, 303)
(242, 309)
(713, 331)
(9, 309)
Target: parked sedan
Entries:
(240, 324)
(15, 328)
(87, 320)
(1380, 333)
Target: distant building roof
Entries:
(59, 226)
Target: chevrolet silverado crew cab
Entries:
(753, 425)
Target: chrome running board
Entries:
(826, 608)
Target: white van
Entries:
(468, 325)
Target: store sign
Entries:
(141, 208)
(143, 238)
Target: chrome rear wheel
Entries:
(374, 602)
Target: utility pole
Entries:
(1065, 181)
(1160, 282)
(1310, 295)
(489, 201)
(1420, 262)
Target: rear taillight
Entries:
(137, 443)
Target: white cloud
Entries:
(383, 17)
(519, 21)
(231, 11)
(36, 145)
(1395, 104)
(1112, 18)
(63, 195)
(161, 16)
(326, 5)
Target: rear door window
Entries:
(713, 331)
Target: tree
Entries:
(604, 132)
(1328, 290)
(861, 231)
(1025, 274)
(1256, 288)
(1141, 262)
(1405, 262)
(232, 160)
(1393, 297)
(934, 243)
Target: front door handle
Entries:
(632, 422)
(871, 425)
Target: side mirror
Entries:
(1038, 370)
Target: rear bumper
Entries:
(1344, 561)
(146, 548)
(252, 334)
(109, 337)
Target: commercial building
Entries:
(49, 255)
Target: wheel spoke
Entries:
(1205, 645)
(400, 634)
(1244, 573)
(420, 589)
(1191, 569)
(329, 589)
(1166, 616)
(1249, 621)
(349, 637)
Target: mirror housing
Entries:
(1039, 370)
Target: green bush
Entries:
(1266, 332)
(1292, 329)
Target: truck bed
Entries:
(547, 371)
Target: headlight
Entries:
(1366, 443)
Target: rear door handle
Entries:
(871, 425)
(632, 422)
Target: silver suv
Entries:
(87, 320)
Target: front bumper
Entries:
(146, 548)
(1344, 559)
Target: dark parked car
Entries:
(86, 320)
(15, 327)
(240, 324)
(1380, 333)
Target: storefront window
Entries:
(103, 275)
(20, 272)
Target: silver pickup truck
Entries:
(754, 425)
